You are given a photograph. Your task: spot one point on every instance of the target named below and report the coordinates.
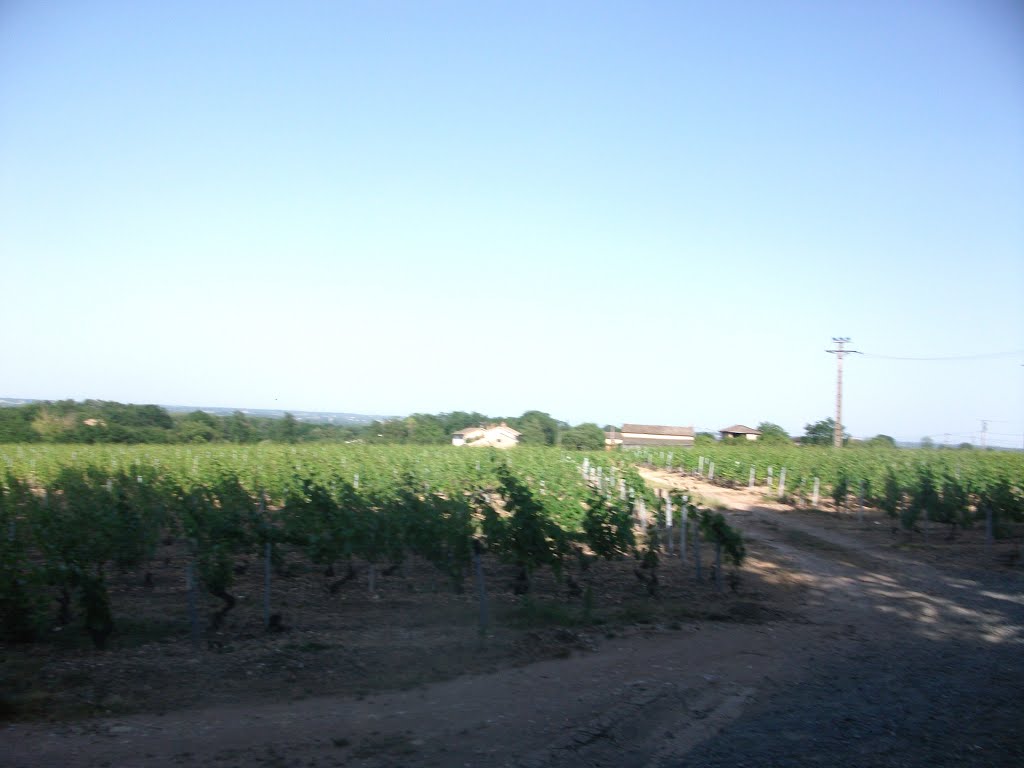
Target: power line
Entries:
(984, 356)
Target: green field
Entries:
(70, 516)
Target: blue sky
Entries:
(655, 212)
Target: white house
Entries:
(464, 436)
(492, 436)
(739, 432)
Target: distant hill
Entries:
(310, 417)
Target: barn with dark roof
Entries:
(657, 434)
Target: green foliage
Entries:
(892, 495)
(772, 434)
(822, 433)
(95, 602)
(424, 428)
(322, 520)
(538, 428)
(139, 515)
(952, 506)
(924, 500)
(716, 530)
(197, 427)
(83, 523)
(583, 437)
(21, 579)
(237, 428)
(840, 492)
(440, 530)
(218, 521)
(1005, 500)
(100, 421)
(608, 526)
(880, 441)
(525, 536)
(376, 529)
(287, 429)
(70, 513)
(16, 425)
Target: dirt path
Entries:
(912, 664)
(878, 660)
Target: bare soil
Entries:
(845, 643)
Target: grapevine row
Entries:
(68, 525)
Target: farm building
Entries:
(739, 432)
(612, 439)
(492, 436)
(654, 434)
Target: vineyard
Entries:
(74, 517)
(955, 488)
(209, 545)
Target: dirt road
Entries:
(877, 660)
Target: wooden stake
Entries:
(193, 602)
(266, 585)
(668, 524)
(718, 566)
(696, 546)
(683, 522)
(481, 587)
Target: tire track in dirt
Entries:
(581, 708)
(917, 665)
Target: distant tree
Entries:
(237, 428)
(154, 416)
(705, 438)
(457, 420)
(389, 431)
(822, 433)
(965, 447)
(425, 428)
(537, 428)
(288, 430)
(197, 427)
(130, 416)
(881, 441)
(532, 433)
(16, 424)
(927, 442)
(101, 421)
(53, 427)
(772, 433)
(583, 437)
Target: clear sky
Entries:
(654, 212)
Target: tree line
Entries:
(534, 427)
(103, 421)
